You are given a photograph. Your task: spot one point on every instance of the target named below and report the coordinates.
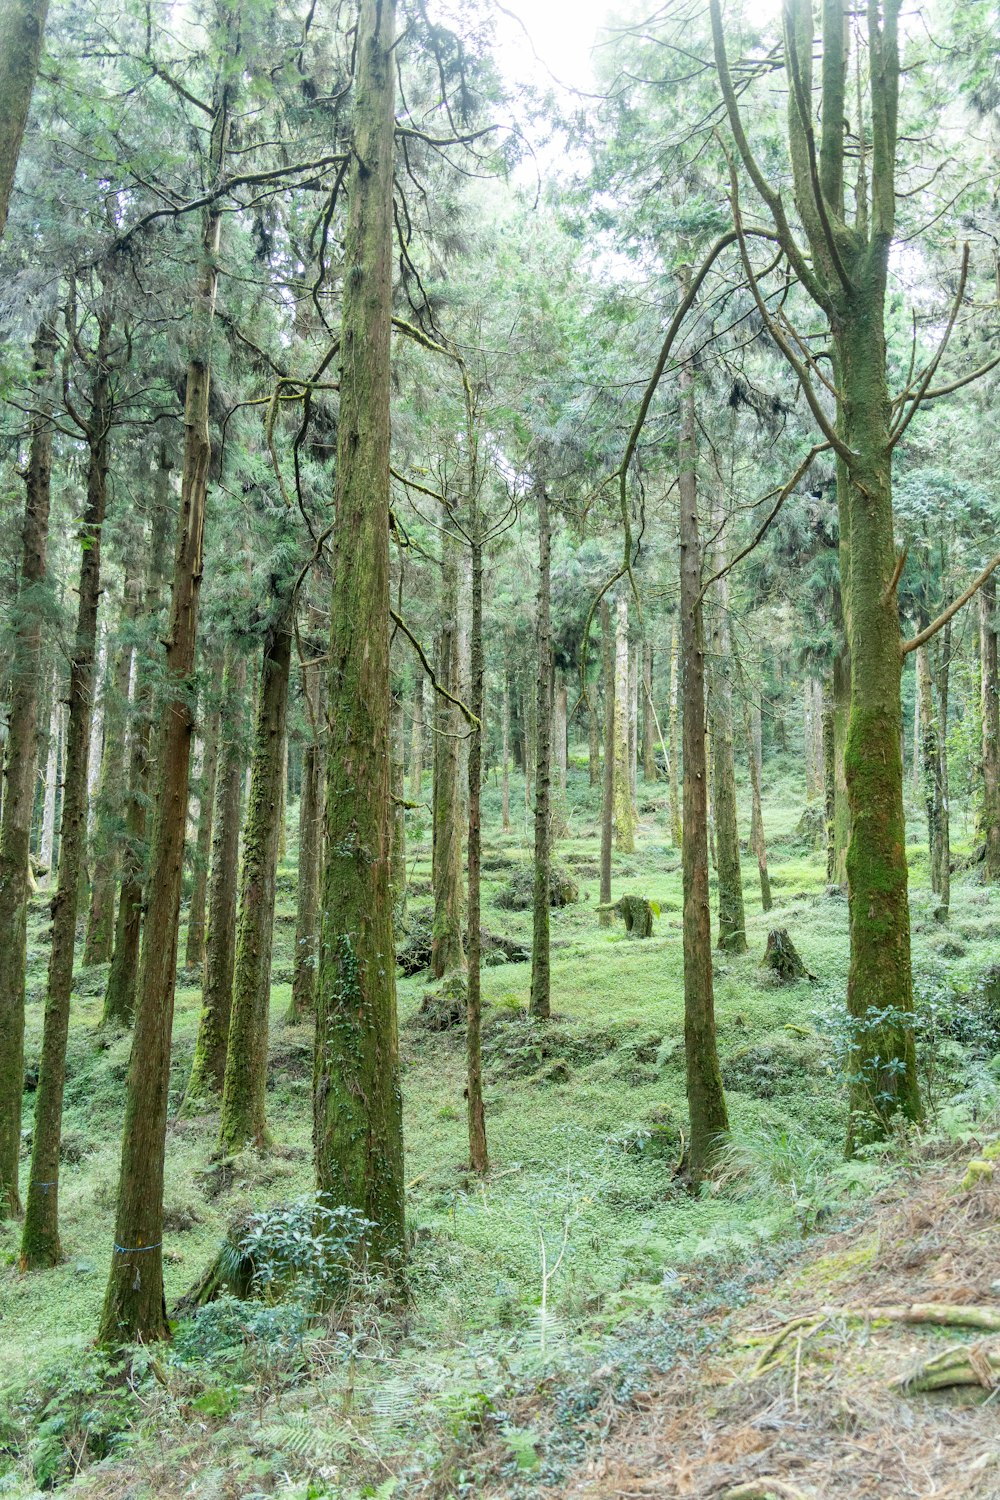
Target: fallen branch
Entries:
(762, 1489)
(962, 1364)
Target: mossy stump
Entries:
(782, 958)
(637, 914)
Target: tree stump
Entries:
(637, 914)
(782, 958)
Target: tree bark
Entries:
(648, 721)
(397, 786)
(706, 1099)
(107, 839)
(22, 26)
(134, 1306)
(447, 951)
(244, 1092)
(593, 743)
(53, 761)
(930, 762)
(675, 735)
(757, 842)
(478, 1149)
(417, 740)
(540, 1000)
(505, 748)
(208, 1066)
(40, 1240)
(194, 950)
(990, 710)
(303, 1000)
(732, 919)
(624, 805)
(608, 773)
(19, 785)
(841, 710)
(358, 1131)
(943, 851)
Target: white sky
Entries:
(563, 33)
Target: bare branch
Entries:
(953, 609)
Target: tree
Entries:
(22, 26)
(358, 1114)
(540, 1002)
(19, 787)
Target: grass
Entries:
(585, 1122)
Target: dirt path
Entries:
(819, 1416)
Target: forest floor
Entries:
(551, 1303)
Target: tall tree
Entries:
(358, 1132)
(134, 1305)
(540, 1002)
(19, 787)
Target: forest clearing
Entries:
(500, 714)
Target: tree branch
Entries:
(953, 609)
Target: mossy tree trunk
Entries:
(40, 1240)
(119, 998)
(540, 1003)
(929, 764)
(47, 837)
(22, 26)
(706, 1099)
(608, 772)
(732, 920)
(358, 1132)
(244, 1093)
(208, 1066)
(989, 688)
(194, 948)
(134, 1306)
(593, 743)
(27, 665)
(447, 953)
(842, 260)
(841, 711)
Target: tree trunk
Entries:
(40, 1240)
(829, 791)
(397, 786)
(757, 843)
(990, 710)
(119, 998)
(242, 1118)
(943, 850)
(505, 748)
(303, 1000)
(478, 1150)
(208, 1066)
(883, 1068)
(417, 740)
(841, 805)
(608, 774)
(593, 742)
(540, 1002)
(929, 753)
(732, 920)
(22, 26)
(194, 951)
(358, 1130)
(107, 840)
(624, 806)
(633, 729)
(447, 952)
(675, 735)
(22, 752)
(648, 721)
(560, 732)
(53, 761)
(134, 1306)
(706, 1099)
